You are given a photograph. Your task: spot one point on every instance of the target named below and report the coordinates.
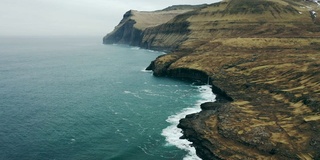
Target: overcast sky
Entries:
(72, 17)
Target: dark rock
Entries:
(189, 74)
(151, 66)
(210, 106)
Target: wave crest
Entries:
(172, 133)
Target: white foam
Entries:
(173, 133)
(133, 94)
(149, 50)
(135, 48)
(127, 92)
(148, 71)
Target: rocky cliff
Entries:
(263, 60)
(157, 30)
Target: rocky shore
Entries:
(262, 59)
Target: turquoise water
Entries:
(75, 98)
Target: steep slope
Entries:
(149, 29)
(263, 60)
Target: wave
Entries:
(147, 71)
(149, 50)
(135, 48)
(133, 94)
(173, 133)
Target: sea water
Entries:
(65, 98)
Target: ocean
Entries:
(73, 98)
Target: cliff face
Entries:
(155, 30)
(262, 58)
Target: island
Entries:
(262, 58)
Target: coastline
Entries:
(263, 67)
(173, 134)
(176, 134)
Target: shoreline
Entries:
(263, 67)
(218, 98)
(173, 134)
(210, 95)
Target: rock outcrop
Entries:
(263, 59)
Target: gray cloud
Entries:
(72, 17)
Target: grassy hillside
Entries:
(264, 54)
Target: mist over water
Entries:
(74, 98)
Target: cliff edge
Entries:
(156, 30)
(262, 58)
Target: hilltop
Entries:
(262, 58)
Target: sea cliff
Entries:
(261, 57)
(156, 30)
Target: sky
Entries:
(72, 17)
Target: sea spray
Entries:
(172, 133)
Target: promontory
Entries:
(262, 58)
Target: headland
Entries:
(262, 59)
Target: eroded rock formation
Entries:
(263, 60)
